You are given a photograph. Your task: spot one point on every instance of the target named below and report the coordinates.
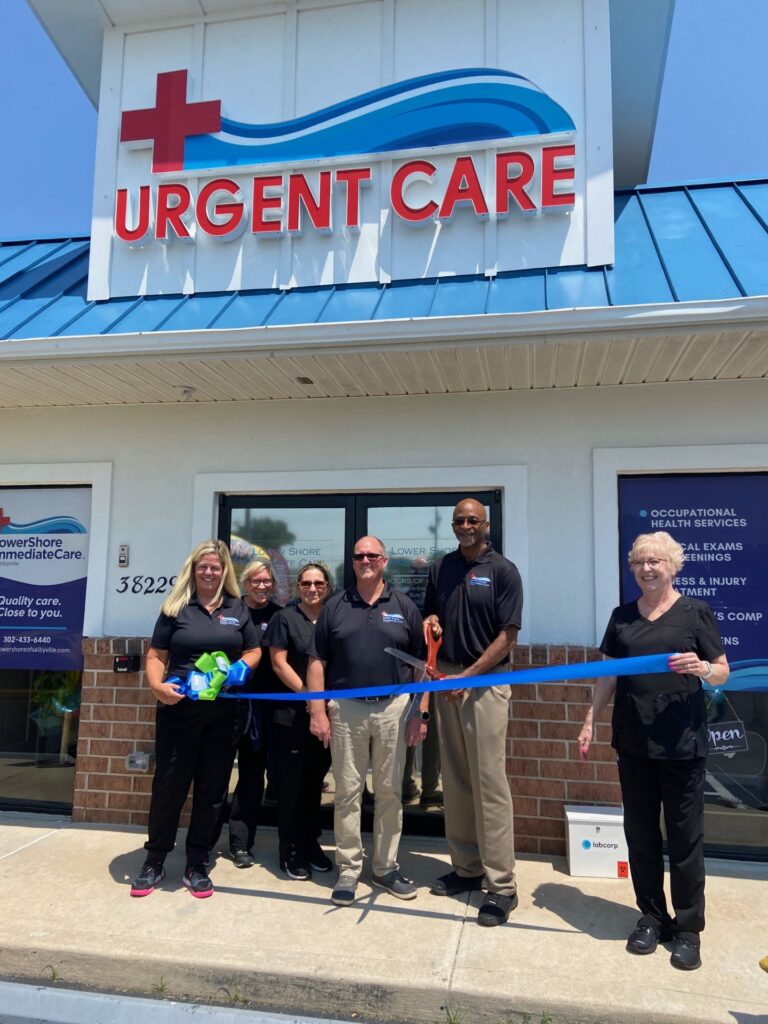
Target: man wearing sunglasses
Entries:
(474, 600)
(348, 651)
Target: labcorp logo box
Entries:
(596, 844)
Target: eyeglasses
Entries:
(370, 556)
(214, 570)
(469, 520)
(258, 583)
(308, 584)
(652, 563)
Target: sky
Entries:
(713, 109)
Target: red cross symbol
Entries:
(170, 121)
(4, 520)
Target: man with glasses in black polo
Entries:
(348, 651)
(474, 600)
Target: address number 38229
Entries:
(145, 584)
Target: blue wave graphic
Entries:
(748, 677)
(456, 107)
(56, 524)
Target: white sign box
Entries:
(337, 143)
(596, 844)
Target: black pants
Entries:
(246, 799)
(677, 787)
(301, 764)
(194, 743)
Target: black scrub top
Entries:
(263, 680)
(195, 631)
(291, 631)
(661, 715)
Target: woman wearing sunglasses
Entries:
(301, 760)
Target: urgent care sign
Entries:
(318, 144)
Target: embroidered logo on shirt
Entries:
(263, 627)
(479, 581)
(228, 620)
(392, 617)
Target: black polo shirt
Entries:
(291, 631)
(474, 601)
(196, 631)
(263, 680)
(350, 637)
(661, 715)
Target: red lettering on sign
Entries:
(4, 520)
(413, 214)
(170, 121)
(353, 179)
(318, 210)
(263, 203)
(142, 229)
(170, 212)
(507, 186)
(463, 187)
(551, 174)
(231, 214)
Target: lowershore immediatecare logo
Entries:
(52, 524)
(464, 109)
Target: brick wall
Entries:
(545, 772)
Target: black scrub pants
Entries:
(194, 743)
(677, 786)
(248, 794)
(301, 764)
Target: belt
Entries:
(449, 668)
(386, 696)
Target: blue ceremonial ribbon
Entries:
(645, 665)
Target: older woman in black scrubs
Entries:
(258, 582)
(660, 736)
(195, 739)
(301, 760)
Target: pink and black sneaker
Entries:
(148, 879)
(197, 881)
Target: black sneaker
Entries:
(148, 879)
(296, 867)
(496, 909)
(453, 884)
(318, 858)
(197, 881)
(430, 800)
(396, 885)
(242, 858)
(686, 952)
(644, 940)
(343, 894)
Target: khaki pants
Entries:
(479, 826)
(363, 733)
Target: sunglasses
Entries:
(308, 584)
(362, 556)
(468, 520)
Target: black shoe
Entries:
(397, 885)
(197, 881)
(296, 867)
(368, 798)
(151, 875)
(343, 894)
(496, 909)
(431, 800)
(452, 884)
(242, 858)
(686, 952)
(644, 940)
(410, 795)
(318, 858)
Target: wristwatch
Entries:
(423, 715)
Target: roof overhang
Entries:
(635, 345)
(639, 42)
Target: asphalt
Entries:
(264, 942)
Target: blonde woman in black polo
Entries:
(194, 740)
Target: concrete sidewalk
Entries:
(265, 942)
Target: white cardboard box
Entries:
(596, 844)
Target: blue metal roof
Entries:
(673, 244)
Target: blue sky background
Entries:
(712, 117)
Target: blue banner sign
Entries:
(720, 519)
(43, 569)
